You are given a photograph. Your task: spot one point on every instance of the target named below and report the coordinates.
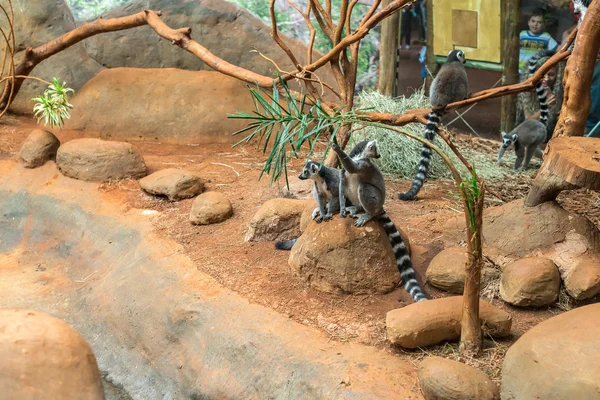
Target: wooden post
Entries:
(578, 76)
(430, 57)
(510, 60)
(387, 52)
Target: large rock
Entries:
(39, 147)
(337, 257)
(434, 321)
(41, 357)
(556, 359)
(100, 160)
(221, 27)
(443, 379)
(446, 270)
(169, 105)
(277, 219)
(210, 208)
(36, 23)
(582, 277)
(174, 183)
(531, 281)
(513, 231)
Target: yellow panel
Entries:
(486, 27)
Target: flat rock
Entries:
(277, 219)
(174, 183)
(582, 280)
(39, 147)
(446, 270)
(337, 257)
(443, 379)
(434, 321)
(210, 208)
(100, 160)
(41, 357)
(533, 281)
(168, 112)
(556, 359)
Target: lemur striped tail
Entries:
(285, 244)
(539, 89)
(407, 273)
(433, 119)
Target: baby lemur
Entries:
(449, 85)
(362, 184)
(325, 191)
(525, 138)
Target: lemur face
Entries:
(371, 150)
(311, 169)
(457, 55)
(508, 139)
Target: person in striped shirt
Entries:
(534, 39)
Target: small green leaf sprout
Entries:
(53, 106)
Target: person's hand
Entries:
(551, 99)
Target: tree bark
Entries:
(570, 162)
(471, 337)
(578, 76)
(510, 56)
(387, 53)
(429, 56)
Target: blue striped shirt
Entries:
(532, 44)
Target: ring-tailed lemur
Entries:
(528, 135)
(362, 183)
(449, 85)
(325, 191)
(580, 6)
(526, 138)
(539, 88)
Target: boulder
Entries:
(556, 359)
(582, 279)
(159, 107)
(100, 160)
(41, 357)
(446, 270)
(36, 23)
(531, 281)
(39, 147)
(221, 27)
(210, 208)
(337, 257)
(513, 231)
(277, 219)
(434, 321)
(443, 379)
(174, 183)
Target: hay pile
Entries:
(400, 154)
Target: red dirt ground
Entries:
(261, 274)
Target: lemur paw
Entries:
(327, 217)
(318, 219)
(335, 147)
(343, 213)
(361, 220)
(316, 212)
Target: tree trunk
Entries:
(510, 56)
(570, 162)
(430, 57)
(387, 53)
(471, 337)
(578, 76)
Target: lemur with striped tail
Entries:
(362, 184)
(528, 135)
(450, 85)
(325, 191)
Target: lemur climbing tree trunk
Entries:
(570, 164)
